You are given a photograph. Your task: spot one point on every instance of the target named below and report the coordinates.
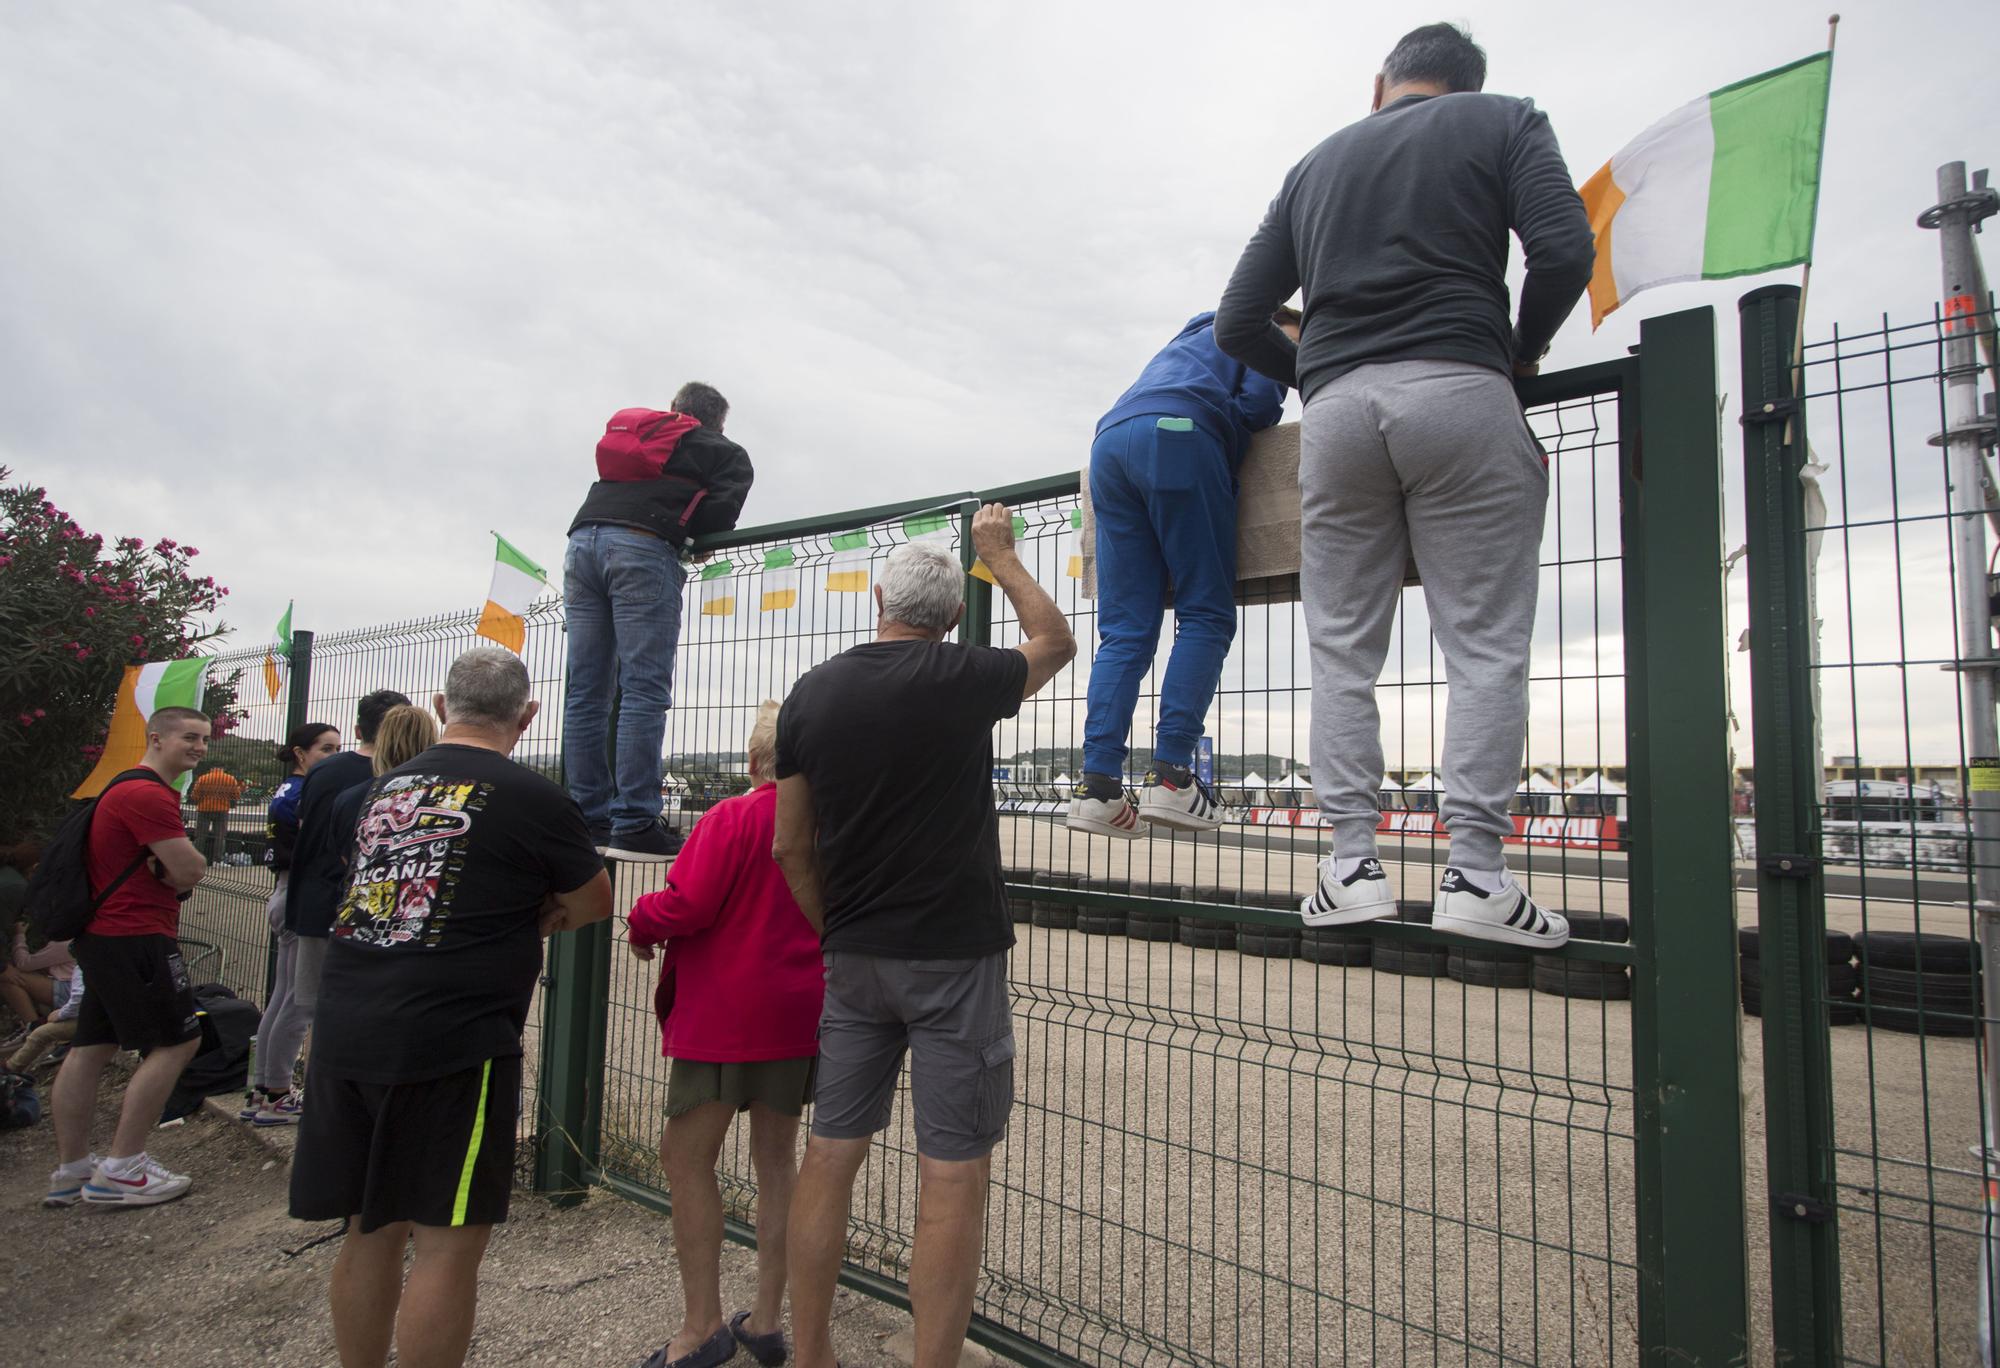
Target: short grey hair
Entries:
(487, 687)
(922, 586)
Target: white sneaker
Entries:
(1179, 809)
(145, 1183)
(1504, 914)
(1103, 816)
(1362, 896)
(66, 1183)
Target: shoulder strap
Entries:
(98, 899)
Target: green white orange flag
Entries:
(1727, 185)
(718, 589)
(979, 570)
(279, 649)
(848, 571)
(781, 580)
(143, 691)
(1075, 567)
(517, 581)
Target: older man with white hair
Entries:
(887, 835)
(463, 861)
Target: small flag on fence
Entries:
(781, 580)
(1075, 567)
(718, 592)
(1725, 186)
(848, 572)
(143, 691)
(280, 649)
(979, 570)
(935, 527)
(516, 582)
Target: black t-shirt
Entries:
(436, 947)
(895, 739)
(318, 871)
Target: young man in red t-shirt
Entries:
(139, 996)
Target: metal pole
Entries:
(1954, 216)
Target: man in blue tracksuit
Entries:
(1163, 489)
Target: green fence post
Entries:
(1791, 890)
(577, 985)
(976, 627)
(1693, 1298)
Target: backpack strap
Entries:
(98, 899)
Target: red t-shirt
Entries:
(129, 817)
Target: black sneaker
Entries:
(600, 836)
(655, 844)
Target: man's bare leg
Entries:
(146, 1096)
(434, 1326)
(74, 1099)
(816, 1240)
(366, 1285)
(951, 1230)
(774, 1153)
(688, 1151)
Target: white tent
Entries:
(1596, 796)
(1421, 794)
(1252, 780)
(1062, 781)
(1538, 783)
(1291, 781)
(1597, 783)
(1289, 790)
(1536, 796)
(1392, 791)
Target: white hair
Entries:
(922, 586)
(487, 687)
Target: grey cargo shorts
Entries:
(954, 1018)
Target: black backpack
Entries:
(59, 900)
(222, 1061)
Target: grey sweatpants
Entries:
(294, 996)
(1435, 459)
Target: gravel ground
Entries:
(224, 1277)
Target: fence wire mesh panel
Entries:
(1232, 1144)
(1903, 976)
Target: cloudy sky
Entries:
(329, 291)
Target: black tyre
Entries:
(1095, 921)
(1152, 926)
(1333, 946)
(1416, 961)
(1485, 973)
(1020, 906)
(1052, 909)
(1913, 1022)
(1203, 934)
(1267, 942)
(1487, 953)
(1839, 945)
(1922, 951)
(1581, 979)
(1842, 980)
(1844, 1013)
(1608, 927)
(1908, 983)
(1054, 916)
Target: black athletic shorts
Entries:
(439, 1152)
(136, 993)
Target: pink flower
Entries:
(40, 713)
(83, 653)
(137, 640)
(6, 560)
(27, 719)
(90, 612)
(191, 550)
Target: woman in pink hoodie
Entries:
(739, 1004)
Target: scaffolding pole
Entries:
(1956, 217)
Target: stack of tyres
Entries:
(1020, 906)
(1841, 977)
(1483, 965)
(1270, 942)
(1919, 982)
(1567, 976)
(1151, 925)
(1095, 920)
(1418, 959)
(1205, 933)
(1052, 909)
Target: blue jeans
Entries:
(622, 602)
(1165, 503)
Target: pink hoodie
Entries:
(746, 980)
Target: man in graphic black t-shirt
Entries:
(887, 836)
(464, 860)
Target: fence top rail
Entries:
(1536, 391)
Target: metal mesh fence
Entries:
(1907, 1084)
(1234, 1144)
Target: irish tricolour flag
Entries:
(143, 691)
(1725, 186)
(517, 581)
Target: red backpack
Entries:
(639, 442)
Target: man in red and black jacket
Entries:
(666, 478)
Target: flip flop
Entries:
(768, 1350)
(719, 1348)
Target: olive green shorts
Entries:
(783, 1085)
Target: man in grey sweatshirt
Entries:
(1413, 444)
